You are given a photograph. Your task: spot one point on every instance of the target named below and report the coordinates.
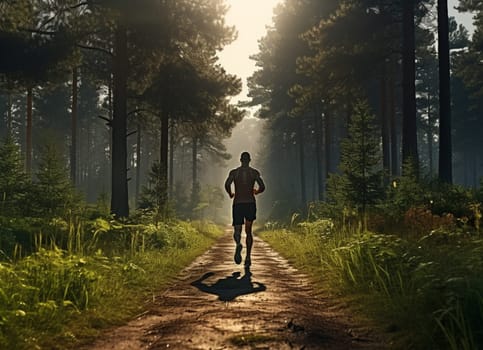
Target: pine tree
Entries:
(153, 196)
(360, 161)
(445, 140)
(13, 180)
(53, 193)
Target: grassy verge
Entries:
(53, 299)
(425, 293)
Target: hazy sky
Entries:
(250, 17)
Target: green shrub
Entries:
(451, 199)
(54, 294)
(40, 292)
(17, 235)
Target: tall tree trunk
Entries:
(445, 147)
(9, 115)
(385, 132)
(119, 196)
(318, 154)
(194, 161)
(409, 133)
(28, 133)
(171, 161)
(182, 176)
(475, 171)
(392, 121)
(89, 165)
(73, 146)
(163, 155)
(110, 111)
(108, 165)
(302, 164)
(466, 168)
(328, 143)
(429, 135)
(138, 161)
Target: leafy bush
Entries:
(18, 233)
(418, 206)
(319, 227)
(340, 215)
(405, 192)
(420, 221)
(451, 199)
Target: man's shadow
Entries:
(230, 287)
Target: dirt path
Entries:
(215, 304)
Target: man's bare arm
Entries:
(228, 183)
(261, 185)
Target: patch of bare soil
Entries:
(216, 304)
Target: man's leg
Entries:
(237, 238)
(248, 231)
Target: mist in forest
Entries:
(164, 135)
(246, 136)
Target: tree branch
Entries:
(85, 3)
(62, 10)
(100, 49)
(37, 31)
(108, 121)
(142, 110)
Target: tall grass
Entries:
(427, 292)
(105, 272)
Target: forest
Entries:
(116, 119)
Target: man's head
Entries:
(245, 158)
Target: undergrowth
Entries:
(106, 272)
(427, 292)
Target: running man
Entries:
(244, 207)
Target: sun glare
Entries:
(250, 17)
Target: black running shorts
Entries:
(242, 212)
